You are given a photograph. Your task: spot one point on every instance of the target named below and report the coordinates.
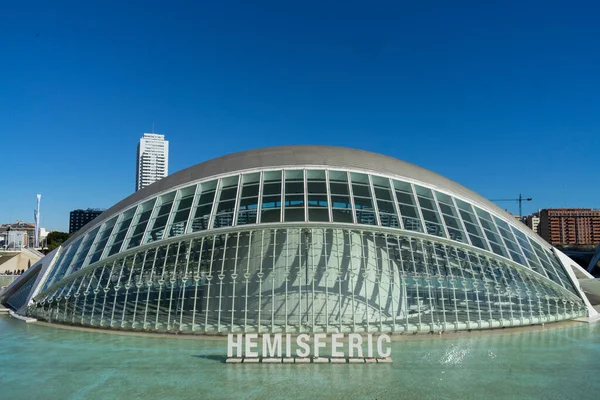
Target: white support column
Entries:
(197, 278)
(234, 277)
(209, 277)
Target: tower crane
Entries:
(520, 200)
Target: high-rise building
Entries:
(533, 222)
(78, 218)
(152, 160)
(578, 226)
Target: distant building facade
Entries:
(533, 222)
(17, 235)
(152, 160)
(572, 226)
(78, 218)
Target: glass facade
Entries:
(306, 280)
(306, 249)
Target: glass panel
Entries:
(60, 269)
(451, 218)
(294, 196)
(433, 222)
(271, 199)
(471, 224)
(407, 206)
(317, 196)
(204, 205)
(528, 252)
(140, 221)
(340, 197)
(116, 239)
(248, 208)
(363, 201)
(157, 224)
(101, 241)
(511, 243)
(181, 211)
(226, 202)
(84, 250)
(491, 232)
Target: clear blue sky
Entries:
(503, 97)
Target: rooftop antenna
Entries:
(153, 127)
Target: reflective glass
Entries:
(271, 197)
(226, 202)
(228, 283)
(451, 218)
(181, 211)
(118, 235)
(433, 222)
(388, 215)
(248, 207)
(140, 221)
(294, 196)
(407, 206)
(491, 232)
(158, 222)
(532, 258)
(101, 240)
(471, 224)
(363, 200)
(204, 205)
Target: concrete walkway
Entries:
(3, 310)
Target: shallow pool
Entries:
(41, 362)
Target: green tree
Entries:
(55, 239)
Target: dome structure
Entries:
(302, 239)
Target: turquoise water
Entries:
(40, 362)
(7, 280)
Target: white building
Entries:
(533, 222)
(152, 160)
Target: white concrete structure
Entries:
(152, 160)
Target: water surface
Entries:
(41, 362)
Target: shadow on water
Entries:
(211, 357)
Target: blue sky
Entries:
(503, 97)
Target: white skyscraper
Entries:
(152, 160)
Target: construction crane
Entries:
(520, 199)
